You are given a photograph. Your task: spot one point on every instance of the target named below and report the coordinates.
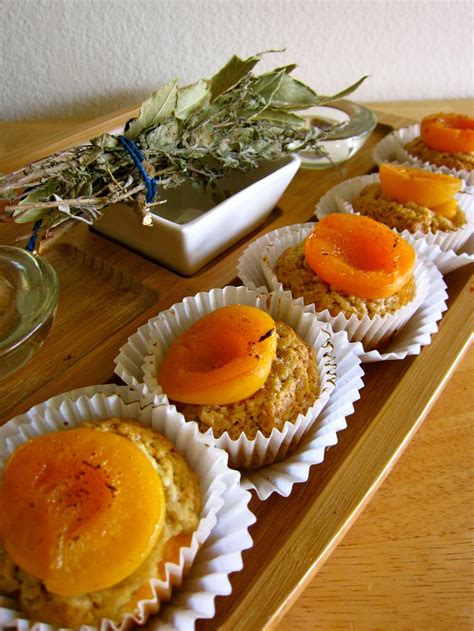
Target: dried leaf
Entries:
(105, 142)
(32, 214)
(231, 74)
(293, 94)
(164, 137)
(343, 93)
(192, 98)
(280, 117)
(157, 108)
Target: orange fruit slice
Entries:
(80, 509)
(224, 357)
(447, 209)
(407, 184)
(359, 256)
(450, 133)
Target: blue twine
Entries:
(30, 246)
(137, 157)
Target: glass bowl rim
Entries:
(48, 308)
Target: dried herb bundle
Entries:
(196, 134)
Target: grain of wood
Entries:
(408, 563)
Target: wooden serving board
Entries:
(107, 292)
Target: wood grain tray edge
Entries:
(352, 485)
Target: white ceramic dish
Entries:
(205, 229)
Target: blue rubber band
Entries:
(136, 155)
(30, 246)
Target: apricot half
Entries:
(447, 209)
(224, 357)
(359, 256)
(407, 184)
(449, 133)
(80, 509)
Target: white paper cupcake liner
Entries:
(421, 326)
(221, 495)
(445, 261)
(341, 197)
(391, 149)
(369, 331)
(280, 477)
(154, 338)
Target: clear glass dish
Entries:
(29, 292)
(360, 123)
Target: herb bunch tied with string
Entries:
(194, 134)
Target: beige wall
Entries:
(85, 57)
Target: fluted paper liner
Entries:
(392, 149)
(445, 261)
(409, 329)
(225, 515)
(153, 339)
(280, 477)
(341, 197)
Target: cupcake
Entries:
(425, 207)
(442, 141)
(353, 272)
(411, 199)
(445, 140)
(72, 550)
(238, 371)
(71, 547)
(251, 371)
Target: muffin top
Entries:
(457, 161)
(290, 388)
(295, 274)
(351, 265)
(412, 199)
(445, 140)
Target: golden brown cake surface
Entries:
(374, 203)
(458, 161)
(183, 508)
(291, 388)
(295, 274)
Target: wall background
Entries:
(65, 58)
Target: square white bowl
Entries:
(186, 247)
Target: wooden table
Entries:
(407, 563)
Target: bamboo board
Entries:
(292, 536)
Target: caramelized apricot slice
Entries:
(359, 256)
(450, 133)
(80, 509)
(224, 357)
(448, 209)
(407, 184)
